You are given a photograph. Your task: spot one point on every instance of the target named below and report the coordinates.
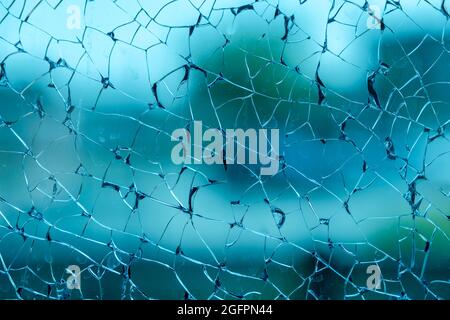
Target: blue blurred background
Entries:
(90, 92)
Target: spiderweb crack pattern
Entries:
(91, 91)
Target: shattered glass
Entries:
(91, 91)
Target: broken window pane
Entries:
(310, 142)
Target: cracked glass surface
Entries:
(90, 92)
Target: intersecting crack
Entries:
(93, 207)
